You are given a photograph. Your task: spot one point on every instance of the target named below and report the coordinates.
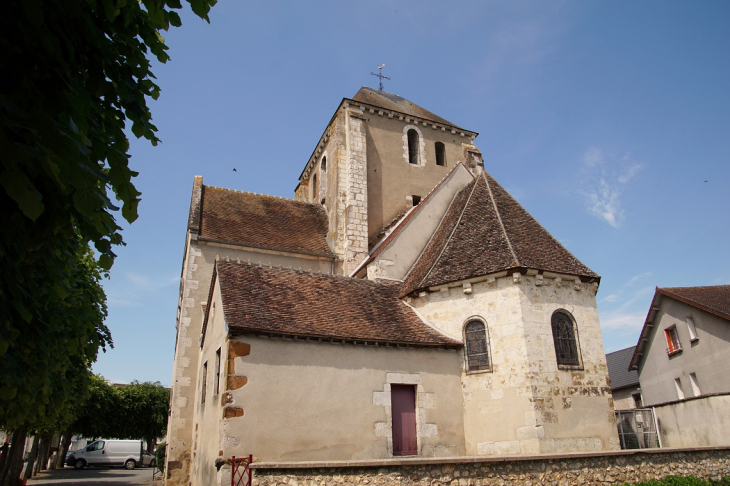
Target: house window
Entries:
(691, 328)
(673, 344)
(205, 379)
(637, 400)
(416, 200)
(413, 146)
(403, 406)
(476, 339)
(678, 386)
(695, 387)
(440, 154)
(218, 371)
(565, 339)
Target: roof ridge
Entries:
(288, 199)
(298, 270)
(446, 243)
(499, 218)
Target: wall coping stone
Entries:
(475, 459)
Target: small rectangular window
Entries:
(218, 371)
(691, 328)
(678, 386)
(673, 344)
(637, 400)
(205, 378)
(440, 154)
(695, 387)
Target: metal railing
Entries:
(637, 429)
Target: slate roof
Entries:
(618, 369)
(263, 221)
(486, 231)
(394, 102)
(294, 303)
(713, 299)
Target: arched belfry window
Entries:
(315, 189)
(323, 165)
(413, 146)
(440, 154)
(565, 338)
(476, 340)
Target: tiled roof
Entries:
(618, 369)
(713, 299)
(486, 231)
(394, 102)
(263, 221)
(295, 303)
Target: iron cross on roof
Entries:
(380, 75)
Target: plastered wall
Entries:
(196, 278)
(307, 400)
(526, 404)
(706, 356)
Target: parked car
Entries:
(148, 459)
(108, 453)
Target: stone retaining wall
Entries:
(566, 469)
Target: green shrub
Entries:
(682, 481)
(160, 455)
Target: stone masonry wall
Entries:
(525, 404)
(356, 242)
(604, 469)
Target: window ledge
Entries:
(672, 353)
(570, 367)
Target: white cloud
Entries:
(628, 322)
(605, 178)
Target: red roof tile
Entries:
(713, 299)
(486, 231)
(294, 303)
(263, 221)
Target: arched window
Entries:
(476, 339)
(565, 339)
(413, 146)
(323, 164)
(440, 154)
(315, 192)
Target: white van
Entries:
(108, 453)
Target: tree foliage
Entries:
(134, 411)
(76, 76)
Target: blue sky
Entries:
(608, 120)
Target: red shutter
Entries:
(403, 403)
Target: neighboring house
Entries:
(403, 305)
(683, 365)
(624, 382)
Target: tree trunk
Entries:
(3, 457)
(43, 453)
(32, 457)
(63, 449)
(14, 464)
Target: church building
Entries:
(402, 304)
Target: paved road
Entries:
(96, 476)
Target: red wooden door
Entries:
(403, 405)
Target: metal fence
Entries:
(637, 429)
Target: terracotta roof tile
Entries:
(713, 299)
(486, 231)
(263, 221)
(288, 302)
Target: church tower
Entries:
(379, 156)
